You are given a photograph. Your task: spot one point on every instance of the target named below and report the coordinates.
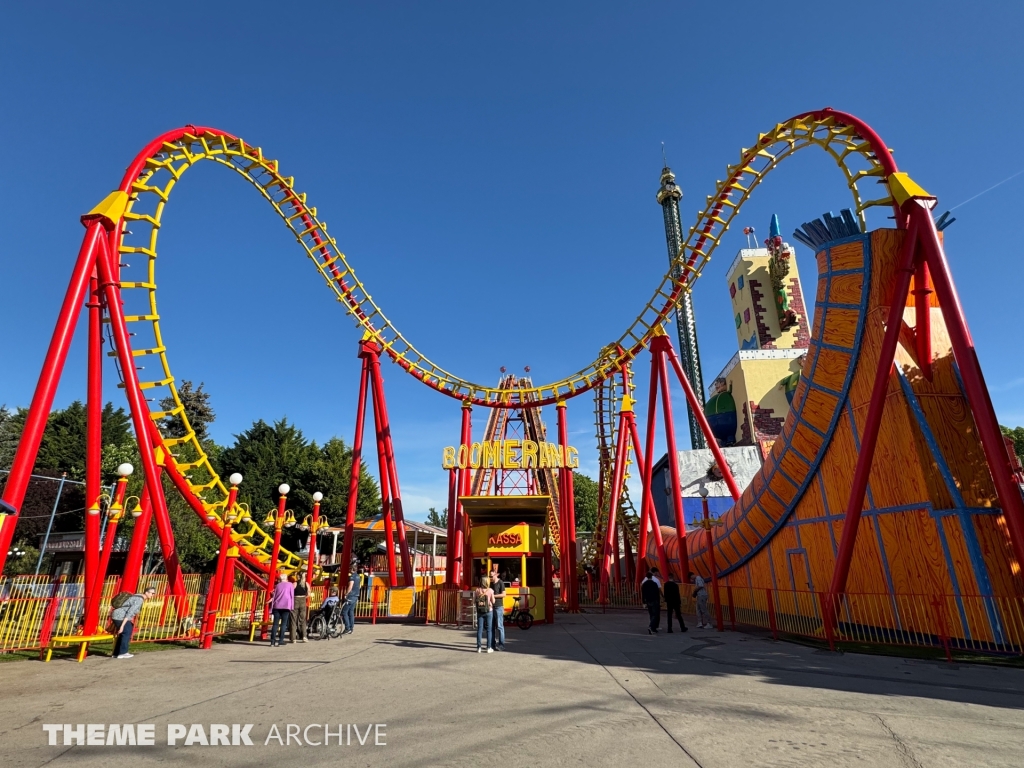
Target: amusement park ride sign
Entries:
(510, 454)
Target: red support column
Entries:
(114, 515)
(110, 283)
(214, 593)
(567, 535)
(873, 420)
(357, 461)
(449, 546)
(673, 454)
(648, 503)
(570, 576)
(311, 557)
(463, 569)
(973, 380)
(705, 427)
(275, 550)
(46, 388)
(227, 582)
(93, 448)
(648, 514)
(137, 548)
(408, 576)
(615, 493)
(385, 491)
(923, 317)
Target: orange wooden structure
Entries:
(931, 523)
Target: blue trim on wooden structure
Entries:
(797, 414)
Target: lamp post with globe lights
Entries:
(114, 514)
(217, 585)
(707, 524)
(279, 520)
(314, 526)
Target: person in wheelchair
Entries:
(330, 605)
(325, 613)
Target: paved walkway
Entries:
(591, 690)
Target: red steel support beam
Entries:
(661, 342)
(357, 461)
(705, 427)
(449, 546)
(463, 568)
(869, 437)
(613, 502)
(93, 449)
(213, 599)
(110, 284)
(385, 486)
(408, 577)
(973, 380)
(275, 551)
(648, 504)
(923, 317)
(567, 499)
(49, 377)
(137, 548)
(311, 548)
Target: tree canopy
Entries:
(196, 405)
(265, 454)
(585, 492)
(268, 455)
(1017, 435)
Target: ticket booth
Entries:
(511, 531)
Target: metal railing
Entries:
(971, 623)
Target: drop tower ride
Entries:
(669, 195)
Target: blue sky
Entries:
(490, 171)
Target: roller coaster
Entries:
(862, 336)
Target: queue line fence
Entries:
(982, 624)
(36, 609)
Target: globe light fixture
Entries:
(283, 489)
(125, 469)
(318, 497)
(235, 479)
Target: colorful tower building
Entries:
(669, 195)
(750, 398)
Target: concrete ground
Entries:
(591, 690)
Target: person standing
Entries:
(281, 602)
(483, 599)
(348, 605)
(498, 611)
(700, 591)
(301, 610)
(123, 617)
(651, 596)
(673, 602)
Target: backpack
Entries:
(120, 599)
(481, 603)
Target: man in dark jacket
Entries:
(673, 603)
(651, 596)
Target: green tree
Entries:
(9, 434)
(585, 492)
(196, 405)
(62, 450)
(438, 520)
(23, 560)
(1017, 435)
(268, 455)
